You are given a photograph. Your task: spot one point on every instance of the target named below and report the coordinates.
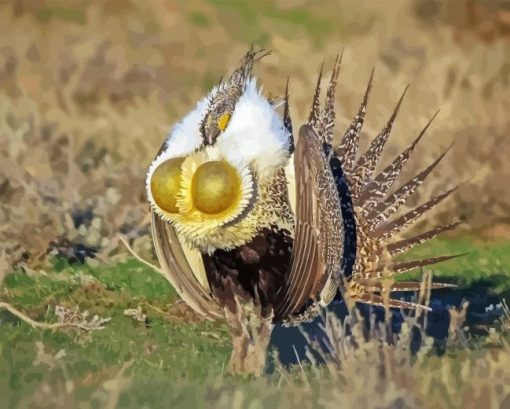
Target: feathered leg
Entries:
(251, 333)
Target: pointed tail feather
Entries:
(314, 119)
(389, 270)
(407, 244)
(287, 121)
(379, 186)
(405, 266)
(328, 119)
(349, 146)
(404, 286)
(400, 224)
(368, 161)
(383, 210)
(378, 300)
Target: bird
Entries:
(257, 225)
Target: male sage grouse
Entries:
(257, 225)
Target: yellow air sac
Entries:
(166, 183)
(216, 186)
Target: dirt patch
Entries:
(182, 312)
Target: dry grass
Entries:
(88, 90)
(368, 371)
(364, 369)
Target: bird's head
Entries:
(206, 181)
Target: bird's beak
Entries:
(212, 134)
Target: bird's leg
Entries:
(260, 334)
(250, 333)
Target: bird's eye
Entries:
(216, 186)
(223, 121)
(165, 184)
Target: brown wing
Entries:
(316, 252)
(176, 267)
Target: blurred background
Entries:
(89, 89)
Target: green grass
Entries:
(158, 348)
(242, 20)
(74, 13)
(172, 363)
(483, 261)
(199, 19)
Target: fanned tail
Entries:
(368, 265)
(402, 223)
(315, 117)
(374, 207)
(379, 300)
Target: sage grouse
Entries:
(257, 225)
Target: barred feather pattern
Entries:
(392, 269)
(377, 188)
(287, 120)
(374, 207)
(315, 117)
(328, 117)
(402, 223)
(366, 164)
(407, 244)
(348, 148)
(385, 208)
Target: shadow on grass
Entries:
(484, 309)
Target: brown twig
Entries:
(82, 325)
(139, 258)
(27, 319)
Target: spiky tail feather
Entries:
(373, 262)
(376, 247)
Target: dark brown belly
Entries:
(256, 271)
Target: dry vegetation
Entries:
(365, 369)
(89, 89)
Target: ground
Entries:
(162, 355)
